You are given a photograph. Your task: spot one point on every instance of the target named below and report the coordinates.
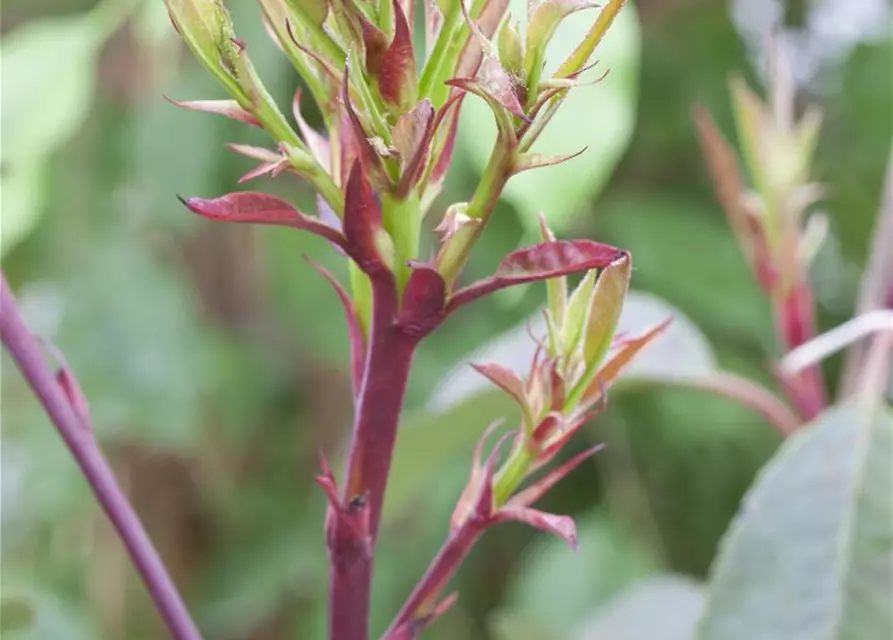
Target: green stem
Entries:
(455, 254)
(402, 219)
(512, 473)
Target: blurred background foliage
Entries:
(214, 358)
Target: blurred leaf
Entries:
(29, 612)
(599, 116)
(684, 251)
(665, 607)
(131, 333)
(49, 80)
(465, 402)
(557, 588)
(811, 553)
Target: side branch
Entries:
(78, 436)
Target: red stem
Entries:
(28, 356)
(441, 569)
(795, 319)
(378, 406)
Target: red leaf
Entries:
(489, 19)
(354, 329)
(616, 364)
(397, 76)
(539, 262)
(423, 301)
(326, 480)
(358, 140)
(260, 208)
(557, 443)
(495, 86)
(376, 43)
(477, 497)
(561, 526)
(551, 423)
(226, 108)
(445, 158)
(539, 488)
(505, 379)
(412, 139)
(362, 221)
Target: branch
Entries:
(72, 424)
(354, 516)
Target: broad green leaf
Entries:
(48, 80)
(665, 607)
(599, 116)
(558, 588)
(811, 552)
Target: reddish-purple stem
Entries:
(441, 569)
(795, 319)
(376, 418)
(28, 356)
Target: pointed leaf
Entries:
(494, 84)
(541, 27)
(316, 143)
(540, 262)
(561, 526)
(617, 363)
(326, 480)
(227, 108)
(823, 501)
(260, 208)
(397, 80)
(607, 304)
(362, 223)
(485, 26)
(256, 153)
(577, 314)
(359, 145)
(412, 139)
(541, 487)
(423, 301)
(354, 328)
(511, 49)
(505, 379)
(529, 161)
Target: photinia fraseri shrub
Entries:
(391, 112)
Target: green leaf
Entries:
(557, 588)
(600, 116)
(811, 553)
(49, 81)
(665, 607)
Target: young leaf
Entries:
(362, 223)
(540, 262)
(260, 208)
(397, 79)
(607, 304)
(227, 108)
(578, 310)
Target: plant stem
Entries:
(28, 356)
(439, 573)
(795, 319)
(456, 251)
(388, 362)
